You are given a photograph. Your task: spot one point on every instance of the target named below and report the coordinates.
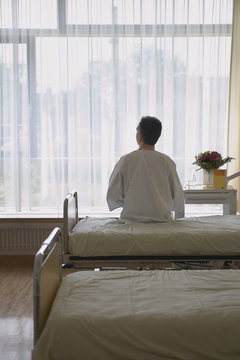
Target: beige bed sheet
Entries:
(144, 315)
(212, 235)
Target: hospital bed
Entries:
(133, 315)
(200, 242)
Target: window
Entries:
(76, 76)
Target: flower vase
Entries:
(208, 176)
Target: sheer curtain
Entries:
(77, 75)
(234, 102)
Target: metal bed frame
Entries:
(47, 280)
(70, 210)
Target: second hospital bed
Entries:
(202, 242)
(133, 315)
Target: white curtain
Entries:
(234, 103)
(77, 75)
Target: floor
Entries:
(16, 307)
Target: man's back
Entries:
(146, 185)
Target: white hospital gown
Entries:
(146, 185)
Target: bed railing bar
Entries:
(65, 223)
(50, 247)
(70, 215)
(76, 207)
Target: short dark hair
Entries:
(150, 128)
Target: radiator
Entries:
(23, 238)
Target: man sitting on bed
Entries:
(145, 182)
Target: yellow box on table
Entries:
(220, 179)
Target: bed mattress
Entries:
(139, 315)
(212, 235)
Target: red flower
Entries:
(202, 158)
(214, 156)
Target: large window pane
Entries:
(30, 14)
(91, 100)
(36, 14)
(6, 14)
(14, 137)
(149, 12)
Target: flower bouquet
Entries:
(210, 160)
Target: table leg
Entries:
(231, 207)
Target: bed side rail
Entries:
(46, 279)
(70, 216)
